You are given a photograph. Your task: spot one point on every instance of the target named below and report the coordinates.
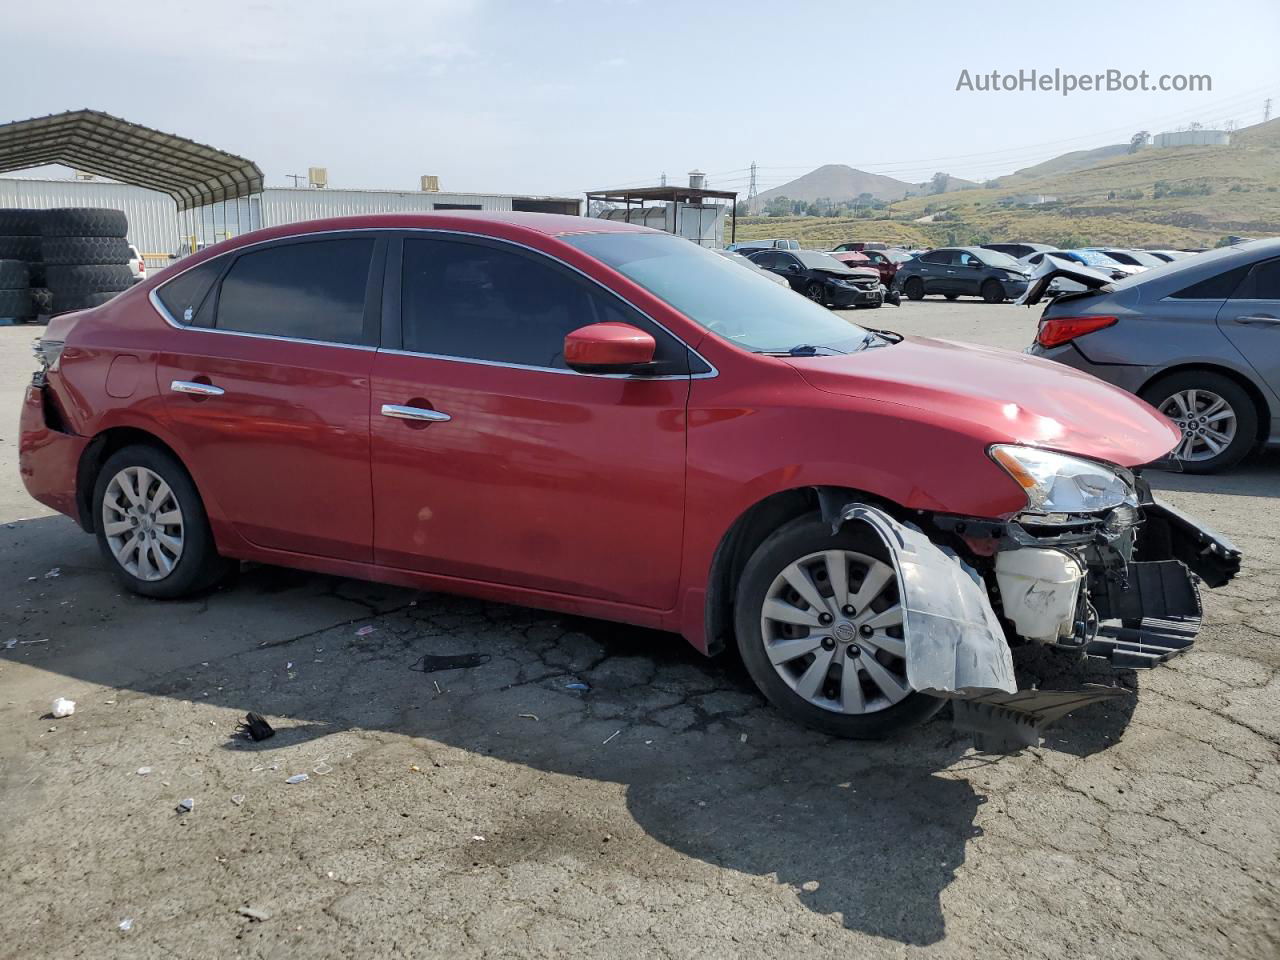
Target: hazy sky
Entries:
(558, 96)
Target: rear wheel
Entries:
(914, 288)
(1217, 417)
(992, 292)
(151, 525)
(816, 292)
(819, 627)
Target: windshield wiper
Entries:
(803, 350)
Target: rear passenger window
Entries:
(481, 302)
(307, 291)
(187, 293)
(1262, 284)
(1218, 287)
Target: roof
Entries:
(680, 194)
(192, 173)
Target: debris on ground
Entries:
(142, 771)
(430, 663)
(527, 716)
(254, 913)
(55, 572)
(610, 737)
(237, 798)
(11, 643)
(126, 924)
(62, 707)
(187, 805)
(322, 769)
(365, 631)
(576, 685)
(476, 838)
(743, 738)
(256, 727)
(298, 778)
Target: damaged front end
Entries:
(1118, 585)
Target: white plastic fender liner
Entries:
(955, 644)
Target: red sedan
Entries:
(884, 262)
(605, 420)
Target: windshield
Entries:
(746, 309)
(1095, 258)
(818, 261)
(994, 258)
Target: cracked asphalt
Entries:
(665, 811)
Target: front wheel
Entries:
(914, 289)
(151, 525)
(992, 292)
(817, 293)
(819, 627)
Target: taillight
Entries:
(1059, 330)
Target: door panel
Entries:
(553, 481)
(1251, 321)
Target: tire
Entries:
(14, 275)
(914, 288)
(195, 566)
(816, 292)
(992, 292)
(41, 301)
(88, 278)
(87, 250)
(62, 302)
(20, 223)
(951, 296)
(17, 304)
(1238, 419)
(84, 222)
(14, 247)
(880, 716)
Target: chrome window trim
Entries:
(153, 296)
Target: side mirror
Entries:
(793, 268)
(609, 348)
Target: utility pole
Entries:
(295, 177)
(1266, 110)
(664, 179)
(751, 187)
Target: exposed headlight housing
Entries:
(1057, 483)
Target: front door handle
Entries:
(1262, 319)
(196, 389)
(414, 413)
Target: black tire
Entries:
(914, 288)
(88, 278)
(87, 250)
(14, 247)
(784, 546)
(951, 296)
(62, 302)
(198, 567)
(992, 292)
(14, 275)
(20, 223)
(17, 304)
(1246, 411)
(42, 301)
(816, 292)
(84, 222)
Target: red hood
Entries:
(1006, 397)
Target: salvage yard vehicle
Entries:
(1199, 340)
(822, 278)
(884, 262)
(605, 420)
(963, 271)
(734, 257)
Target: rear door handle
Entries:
(414, 413)
(1262, 319)
(197, 389)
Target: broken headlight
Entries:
(1057, 483)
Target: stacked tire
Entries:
(20, 265)
(85, 256)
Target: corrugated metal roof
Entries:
(192, 173)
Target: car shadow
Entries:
(871, 832)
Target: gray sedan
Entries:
(1199, 339)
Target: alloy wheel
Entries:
(832, 628)
(1207, 422)
(142, 522)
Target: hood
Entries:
(866, 273)
(1051, 268)
(1005, 397)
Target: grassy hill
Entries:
(1184, 196)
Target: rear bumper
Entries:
(48, 458)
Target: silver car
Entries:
(1199, 339)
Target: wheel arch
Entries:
(1259, 399)
(748, 531)
(95, 454)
